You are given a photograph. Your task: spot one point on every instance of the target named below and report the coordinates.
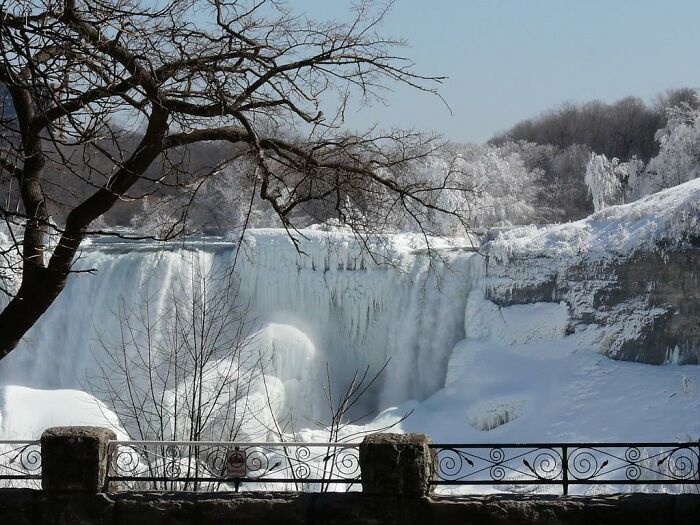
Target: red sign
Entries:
(235, 464)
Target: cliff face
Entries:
(649, 303)
(631, 269)
(669, 284)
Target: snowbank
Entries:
(26, 412)
(668, 218)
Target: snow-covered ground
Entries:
(667, 218)
(25, 412)
(469, 370)
(554, 389)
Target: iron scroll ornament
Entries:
(20, 464)
(567, 464)
(194, 462)
(481, 465)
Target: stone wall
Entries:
(27, 507)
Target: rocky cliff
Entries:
(632, 269)
(649, 304)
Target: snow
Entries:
(671, 216)
(515, 324)
(26, 412)
(557, 390)
(469, 369)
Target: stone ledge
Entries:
(30, 507)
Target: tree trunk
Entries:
(35, 295)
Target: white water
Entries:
(332, 308)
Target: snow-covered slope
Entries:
(668, 219)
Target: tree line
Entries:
(561, 141)
(546, 157)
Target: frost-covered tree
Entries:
(630, 174)
(502, 191)
(561, 192)
(480, 185)
(603, 181)
(678, 160)
(560, 143)
(223, 205)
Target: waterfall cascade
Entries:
(328, 308)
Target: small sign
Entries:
(235, 464)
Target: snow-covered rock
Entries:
(632, 269)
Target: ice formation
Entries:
(330, 307)
(471, 370)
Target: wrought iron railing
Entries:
(222, 466)
(20, 464)
(672, 467)
(213, 466)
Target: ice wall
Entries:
(328, 304)
(356, 313)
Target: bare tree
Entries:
(183, 369)
(273, 86)
(187, 376)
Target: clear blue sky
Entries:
(511, 59)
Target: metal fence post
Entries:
(565, 468)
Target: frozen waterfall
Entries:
(470, 369)
(331, 306)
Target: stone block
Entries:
(396, 464)
(75, 459)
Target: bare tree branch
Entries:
(110, 97)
